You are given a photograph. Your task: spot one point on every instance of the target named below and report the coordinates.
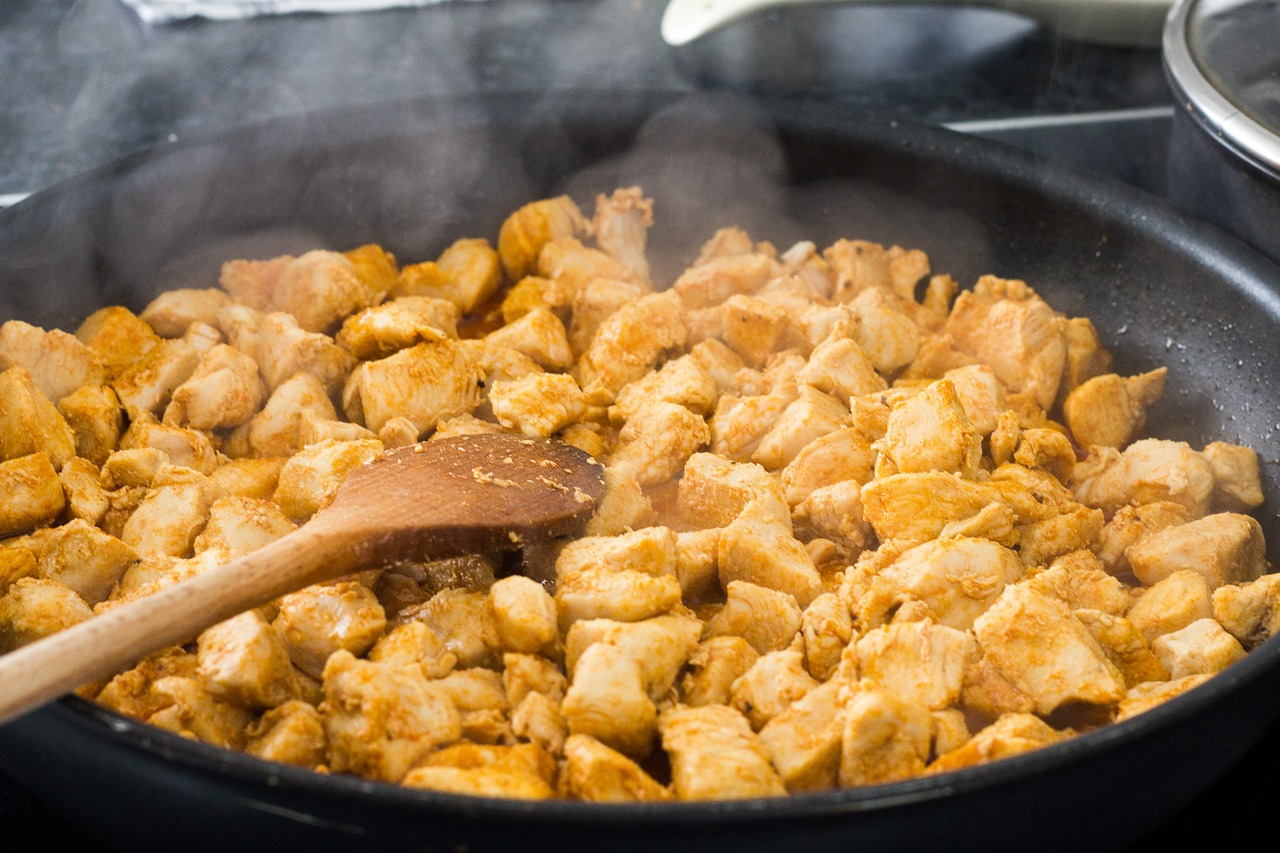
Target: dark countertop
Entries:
(83, 83)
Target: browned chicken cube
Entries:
(715, 755)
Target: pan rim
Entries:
(1228, 259)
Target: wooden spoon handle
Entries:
(120, 637)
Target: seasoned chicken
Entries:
(29, 423)
(380, 719)
(1148, 471)
(34, 608)
(715, 755)
(770, 685)
(958, 578)
(321, 619)
(174, 311)
(1225, 547)
(607, 700)
(921, 662)
(57, 362)
(885, 738)
(1109, 410)
(931, 432)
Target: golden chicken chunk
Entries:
(715, 755)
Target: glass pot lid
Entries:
(1223, 58)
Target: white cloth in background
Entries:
(164, 11)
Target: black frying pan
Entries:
(1162, 290)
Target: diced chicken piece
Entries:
(310, 479)
(759, 548)
(538, 405)
(805, 741)
(292, 733)
(713, 492)
(174, 311)
(537, 719)
(651, 551)
(224, 391)
(885, 738)
(980, 393)
(82, 485)
(312, 428)
(1079, 580)
(465, 275)
(950, 730)
(916, 507)
(753, 327)
(623, 507)
(524, 614)
(921, 662)
(725, 242)
(607, 700)
(858, 265)
(526, 759)
(1144, 697)
(524, 674)
(277, 429)
(93, 412)
(1203, 647)
(34, 608)
(629, 343)
(958, 578)
(29, 423)
(414, 643)
(772, 683)
(1046, 652)
(57, 362)
(172, 514)
(838, 366)
(657, 441)
(281, 348)
(321, 619)
(1225, 547)
(30, 494)
(1009, 327)
(1010, 735)
(712, 669)
(203, 337)
(995, 521)
(318, 288)
(116, 336)
(426, 383)
(888, 337)
(931, 432)
(250, 478)
(532, 292)
(827, 628)
(242, 524)
(147, 385)
(765, 618)
(185, 448)
(621, 226)
(376, 269)
(682, 381)
(461, 618)
(1149, 470)
(381, 719)
(660, 645)
(1236, 484)
(1249, 611)
(524, 233)
(1130, 524)
(715, 755)
(388, 328)
(84, 558)
(540, 335)
(840, 456)
(479, 782)
(1125, 646)
(1047, 449)
(130, 692)
(1109, 410)
(869, 414)
(812, 415)
(244, 661)
(479, 697)
(592, 303)
(717, 279)
(740, 423)
(595, 773)
(625, 595)
(192, 711)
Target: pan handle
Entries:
(1122, 23)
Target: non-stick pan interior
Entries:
(414, 177)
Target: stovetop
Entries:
(84, 82)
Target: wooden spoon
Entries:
(460, 495)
